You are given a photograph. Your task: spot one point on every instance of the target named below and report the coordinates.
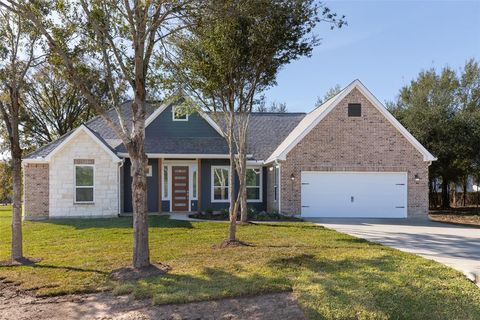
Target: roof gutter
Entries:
(34, 161)
(184, 155)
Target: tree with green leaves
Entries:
(123, 41)
(442, 110)
(55, 107)
(19, 46)
(261, 106)
(231, 53)
(6, 182)
(469, 114)
(329, 94)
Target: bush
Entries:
(253, 215)
(225, 213)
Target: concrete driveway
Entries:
(454, 246)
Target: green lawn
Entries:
(334, 276)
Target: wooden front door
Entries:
(180, 195)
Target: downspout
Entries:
(119, 197)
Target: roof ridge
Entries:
(316, 115)
(278, 113)
(151, 102)
(48, 144)
(334, 97)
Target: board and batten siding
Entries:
(62, 180)
(164, 126)
(152, 186)
(206, 194)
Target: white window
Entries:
(254, 184)
(193, 179)
(178, 114)
(220, 184)
(149, 171)
(165, 186)
(84, 183)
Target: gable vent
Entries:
(354, 110)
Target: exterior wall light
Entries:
(292, 177)
(417, 178)
(270, 169)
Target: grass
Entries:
(334, 276)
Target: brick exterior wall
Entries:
(366, 143)
(36, 191)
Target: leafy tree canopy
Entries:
(329, 94)
(442, 110)
(235, 49)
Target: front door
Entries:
(180, 188)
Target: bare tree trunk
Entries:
(432, 194)
(17, 237)
(16, 152)
(454, 194)
(464, 187)
(232, 230)
(241, 144)
(242, 175)
(141, 252)
(445, 194)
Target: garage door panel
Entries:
(344, 194)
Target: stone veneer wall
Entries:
(83, 149)
(36, 191)
(366, 143)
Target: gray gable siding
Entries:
(164, 126)
(195, 136)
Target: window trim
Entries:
(168, 184)
(260, 186)
(174, 118)
(149, 171)
(212, 184)
(168, 164)
(75, 187)
(349, 111)
(191, 181)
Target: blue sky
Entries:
(385, 45)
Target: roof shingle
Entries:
(266, 132)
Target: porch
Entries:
(192, 184)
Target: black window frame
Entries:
(355, 110)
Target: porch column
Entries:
(199, 184)
(160, 184)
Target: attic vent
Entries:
(179, 115)
(354, 110)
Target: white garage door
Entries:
(354, 194)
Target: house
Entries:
(347, 158)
